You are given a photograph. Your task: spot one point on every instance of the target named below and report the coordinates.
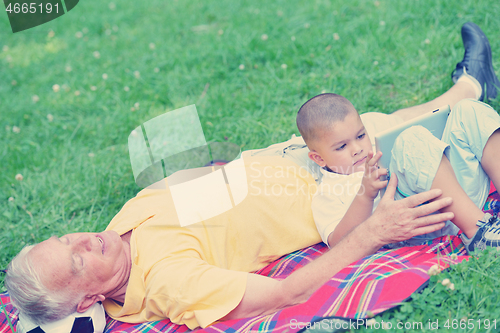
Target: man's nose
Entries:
(83, 243)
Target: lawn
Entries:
(73, 89)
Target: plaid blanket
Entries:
(364, 288)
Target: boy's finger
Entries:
(381, 184)
(377, 173)
(376, 157)
(382, 172)
(368, 158)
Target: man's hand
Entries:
(371, 184)
(395, 221)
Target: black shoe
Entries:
(477, 61)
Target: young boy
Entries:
(349, 191)
(339, 143)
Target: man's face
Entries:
(345, 147)
(88, 263)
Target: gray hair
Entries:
(31, 297)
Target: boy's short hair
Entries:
(320, 112)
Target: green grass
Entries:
(76, 169)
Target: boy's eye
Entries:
(341, 147)
(361, 136)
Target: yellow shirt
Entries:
(197, 274)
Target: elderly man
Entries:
(146, 266)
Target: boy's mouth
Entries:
(360, 161)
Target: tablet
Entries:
(434, 121)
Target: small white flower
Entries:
(427, 41)
(126, 88)
(137, 74)
(51, 34)
(377, 3)
(112, 6)
(16, 129)
(434, 270)
(382, 23)
(13, 82)
(454, 256)
(292, 38)
(78, 34)
(11, 199)
(136, 105)
(284, 66)
(19, 177)
(68, 68)
(241, 67)
(451, 286)
(96, 54)
(375, 63)
(77, 92)
(307, 25)
(264, 37)
(336, 36)
(5, 48)
(445, 282)
(104, 76)
(35, 98)
(220, 32)
(91, 155)
(50, 118)
(156, 70)
(56, 88)
(152, 46)
(93, 88)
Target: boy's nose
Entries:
(356, 149)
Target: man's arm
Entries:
(392, 221)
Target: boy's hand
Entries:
(371, 184)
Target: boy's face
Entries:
(344, 147)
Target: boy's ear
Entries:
(316, 158)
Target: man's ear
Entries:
(316, 158)
(88, 301)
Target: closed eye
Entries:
(63, 240)
(341, 147)
(361, 136)
(77, 261)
